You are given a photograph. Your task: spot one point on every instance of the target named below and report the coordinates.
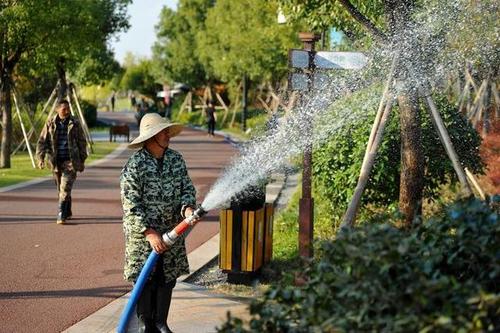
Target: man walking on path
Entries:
(63, 142)
(156, 194)
(211, 118)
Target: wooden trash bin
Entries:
(246, 238)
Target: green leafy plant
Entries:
(339, 161)
(89, 112)
(441, 276)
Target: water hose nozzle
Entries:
(198, 213)
(170, 237)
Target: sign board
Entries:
(327, 60)
(299, 81)
(339, 60)
(323, 60)
(298, 59)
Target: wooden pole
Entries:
(52, 109)
(381, 105)
(475, 184)
(24, 132)
(371, 150)
(446, 141)
(291, 102)
(496, 99)
(78, 107)
(352, 209)
(266, 107)
(52, 95)
(226, 109)
(30, 132)
(235, 107)
(79, 116)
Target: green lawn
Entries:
(22, 170)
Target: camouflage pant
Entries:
(64, 177)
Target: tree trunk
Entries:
(412, 159)
(61, 74)
(5, 99)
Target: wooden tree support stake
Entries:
(474, 182)
(446, 141)
(24, 132)
(352, 209)
(371, 147)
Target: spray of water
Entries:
(425, 61)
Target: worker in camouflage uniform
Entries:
(156, 194)
(63, 142)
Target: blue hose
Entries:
(136, 292)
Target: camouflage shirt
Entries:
(153, 194)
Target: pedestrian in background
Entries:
(63, 142)
(156, 194)
(113, 97)
(133, 101)
(211, 118)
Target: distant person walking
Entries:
(63, 142)
(113, 97)
(133, 100)
(156, 194)
(211, 118)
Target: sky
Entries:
(144, 15)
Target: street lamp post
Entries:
(306, 203)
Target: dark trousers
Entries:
(211, 126)
(154, 303)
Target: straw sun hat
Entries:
(152, 124)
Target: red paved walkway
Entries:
(53, 276)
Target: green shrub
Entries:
(442, 276)
(337, 164)
(89, 112)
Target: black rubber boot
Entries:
(163, 300)
(146, 325)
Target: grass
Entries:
(22, 170)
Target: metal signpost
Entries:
(307, 75)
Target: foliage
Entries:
(243, 38)
(176, 51)
(89, 112)
(337, 164)
(442, 276)
(322, 15)
(475, 38)
(78, 31)
(38, 34)
(138, 76)
(96, 68)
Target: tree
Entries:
(175, 53)
(38, 34)
(243, 38)
(138, 76)
(394, 28)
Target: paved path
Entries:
(53, 276)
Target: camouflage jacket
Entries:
(153, 198)
(77, 144)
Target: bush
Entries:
(89, 112)
(337, 164)
(442, 276)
